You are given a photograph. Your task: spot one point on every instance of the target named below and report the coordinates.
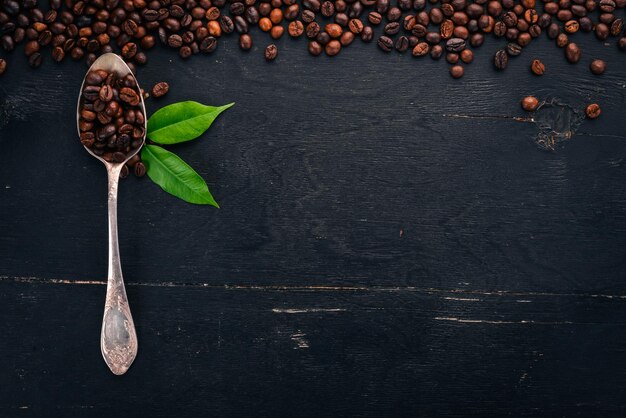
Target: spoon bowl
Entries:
(118, 339)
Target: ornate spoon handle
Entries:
(118, 339)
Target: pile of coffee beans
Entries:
(111, 120)
(84, 29)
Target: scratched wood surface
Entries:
(391, 243)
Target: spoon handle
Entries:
(118, 339)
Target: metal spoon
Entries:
(118, 339)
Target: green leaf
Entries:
(183, 121)
(175, 176)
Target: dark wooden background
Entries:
(391, 242)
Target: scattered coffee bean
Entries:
(457, 71)
(597, 67)
(530, 103)
(500, 59)
(572, 53)
(592, 111)
(385, 43)
(271, 51)
(3, 66)
(537, 67)
(160, 89)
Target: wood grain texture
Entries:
(390, 243)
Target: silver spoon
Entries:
(118, 339)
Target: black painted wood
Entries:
(390, 242)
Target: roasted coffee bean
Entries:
(160, 89)
(130, 96)
(124, 172)
(421, 49)
(375, 18)
(402, 44)
(456, 71)
(332, 48)
(592, 111)
(562, 40)
(209, 44)
(333, 30)
(367, 35)
(140, 169)
(571, 26)
(307, 16)
(433, 38)
(455, 45)
(436, 52)
(500, 59)
(385, 43)
(392, 28)
(323, 38)
(312, 30)
(617, 27)
(530, 103)
(467, 56)
(315, 48)
(355, 26)
(597, 66)
(602, 31)
(452, 57)
(573, 53)
(296, 28)
(537, 67)
(513, 49)
(271, 51)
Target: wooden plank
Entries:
(315, 352)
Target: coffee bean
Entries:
(208, 45)
(140, 169)
(227, 25)
(436, 52)
(312, 30)
(622, 43)
(315, 48)
(333, 30)
(296, 29)
(572, 53)
(420, 49)
(332, 48)
(124, 172)
(513, 49)
(455, 45)
(245, 42)
(129, 96)
(571, 26)
(355, 26)
(375, 18)
(402, 44)
(592, 111)
(392, 28)
(500, 59)
(537, 67)
(602, 31)
(160, 89)
(467, 56)
(530, 103)
(385, 43)
(271, 51)
(367, 35)
(597, 66)
(457, 71)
